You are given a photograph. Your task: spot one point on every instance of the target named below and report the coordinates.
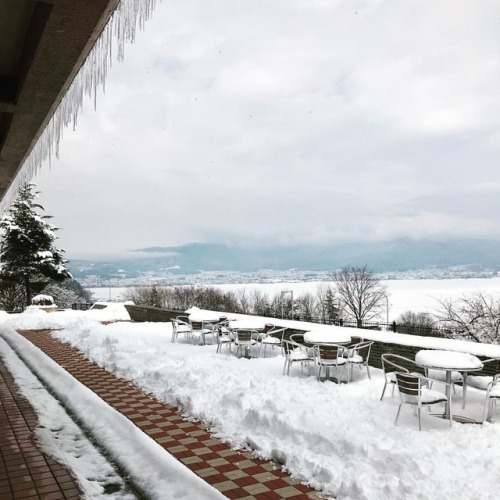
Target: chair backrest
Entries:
(408, 384)
(362, 348)
(175, 323)
(297, 337)
(328, 351)
(396, 363)
(268, 327)
(290, 346)
(244, 335)
(197, 325)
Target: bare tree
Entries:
(475, 316)
(416, 323)
(360, 292)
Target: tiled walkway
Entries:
(235, 473)
(26, 472)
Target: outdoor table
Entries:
(247, 324)
(337, 336)
(449, 361)
(202, 317)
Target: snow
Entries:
(340, 439)
(433, 358)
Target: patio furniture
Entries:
(225, 335)
(392, 363)
(244, 340)
(333, 335)
(272, 337)
(329, 356)
(295, 353)
(200, 330)
(358, 354)
(456, 378)
(413, 391)
(492, 397)
(449, 361)
(481, 382)
(180, 327)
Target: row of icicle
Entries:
(120, 29)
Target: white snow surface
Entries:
(340, 439)
(60, 437)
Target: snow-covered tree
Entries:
(28, 256)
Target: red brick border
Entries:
(237, 474)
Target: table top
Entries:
(327, 337)
(246, 324)
(205, 317)
(448, 360)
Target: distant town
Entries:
(272, 276)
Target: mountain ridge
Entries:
(394, 255)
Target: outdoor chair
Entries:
(244, 340)
(492, 397)
(225, 335)
(328, 356)
(440, 376)
(481, 382)
(295, 353)
(392, 363)
(413, 391)
(200, 330)
(358, 354)
(180, 327)
(271, 337)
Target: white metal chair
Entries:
(295, 353)
(481, 382)
(492, 397)
(180, 327)
(328, 356)
(392, 363)
(225, 335)
(358, 354)
(200, 330)
(413, 391)
(271, 337)
(244, 340)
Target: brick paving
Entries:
(25, 471)
(237, 474)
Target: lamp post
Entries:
(283, 293)
(387, 309)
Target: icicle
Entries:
(120, 29)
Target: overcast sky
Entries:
(289, 121)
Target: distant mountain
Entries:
(397, 255)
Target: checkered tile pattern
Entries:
(26, 472)
(237, 474)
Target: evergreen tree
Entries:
(28, 256)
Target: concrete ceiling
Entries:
(42, 46)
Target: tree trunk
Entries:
(27, 287)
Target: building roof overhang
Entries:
(43, 45)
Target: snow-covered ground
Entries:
(340, 439)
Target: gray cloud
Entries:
(290, 121)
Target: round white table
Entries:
(449, 361)
(339, 336)
(247, 324)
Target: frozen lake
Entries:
(404, 295)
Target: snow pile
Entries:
(61, 437)
(34, 318)
(340, 439)
(157, 473)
